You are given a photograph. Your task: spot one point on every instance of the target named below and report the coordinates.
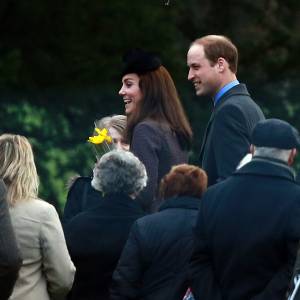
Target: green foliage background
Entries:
(60, 64)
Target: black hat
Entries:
(275, 133)
(139, 61)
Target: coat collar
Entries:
(267, 167)
(239, 89)
(181, 202)
(120, 199)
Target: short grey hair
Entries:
(276, 153)
(119, 171)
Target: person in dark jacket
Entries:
(295, 295)
(212, 62)
(157, 129)
(10, 256)
(248, 228)
(295, 282)
(81, 195)
(95, 238)
(154, 262)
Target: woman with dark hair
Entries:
(157, 128)
(154, 261)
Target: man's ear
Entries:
(252, 149)
(292, 156)
(221, 64)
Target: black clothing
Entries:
(154, 262)
(275, 133)
(81, 196)
(10, 256)
(295, 294)
(227, 137)
(95, 239)
(247, 234)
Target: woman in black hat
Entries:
(157, 128)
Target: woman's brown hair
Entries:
(161, 103)
(183, 180)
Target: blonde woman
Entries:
(47, 271)
(116, 125)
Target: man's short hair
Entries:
(274, 153)
(216, 46)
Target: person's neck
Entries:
(228, 83)
(227, 79)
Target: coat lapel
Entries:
(205, 138)
(239, 89)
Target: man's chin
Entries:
(199, 93)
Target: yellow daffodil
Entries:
(102, 142)
(101, 137)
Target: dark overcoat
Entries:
(227, 137)
(247, 234)
(157, 146)
(10, 256)
(296, 277)
(81, 196)
(154, 263)
(95, 239)
(295, 292)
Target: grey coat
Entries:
(157, 146)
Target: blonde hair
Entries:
(17, 168)
(118, 122)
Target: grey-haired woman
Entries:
(96, 237)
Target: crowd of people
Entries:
(146, 224)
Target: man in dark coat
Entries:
(295, 295)
(295, 284)
(248, 227)
(10, 257)
(212, 62)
